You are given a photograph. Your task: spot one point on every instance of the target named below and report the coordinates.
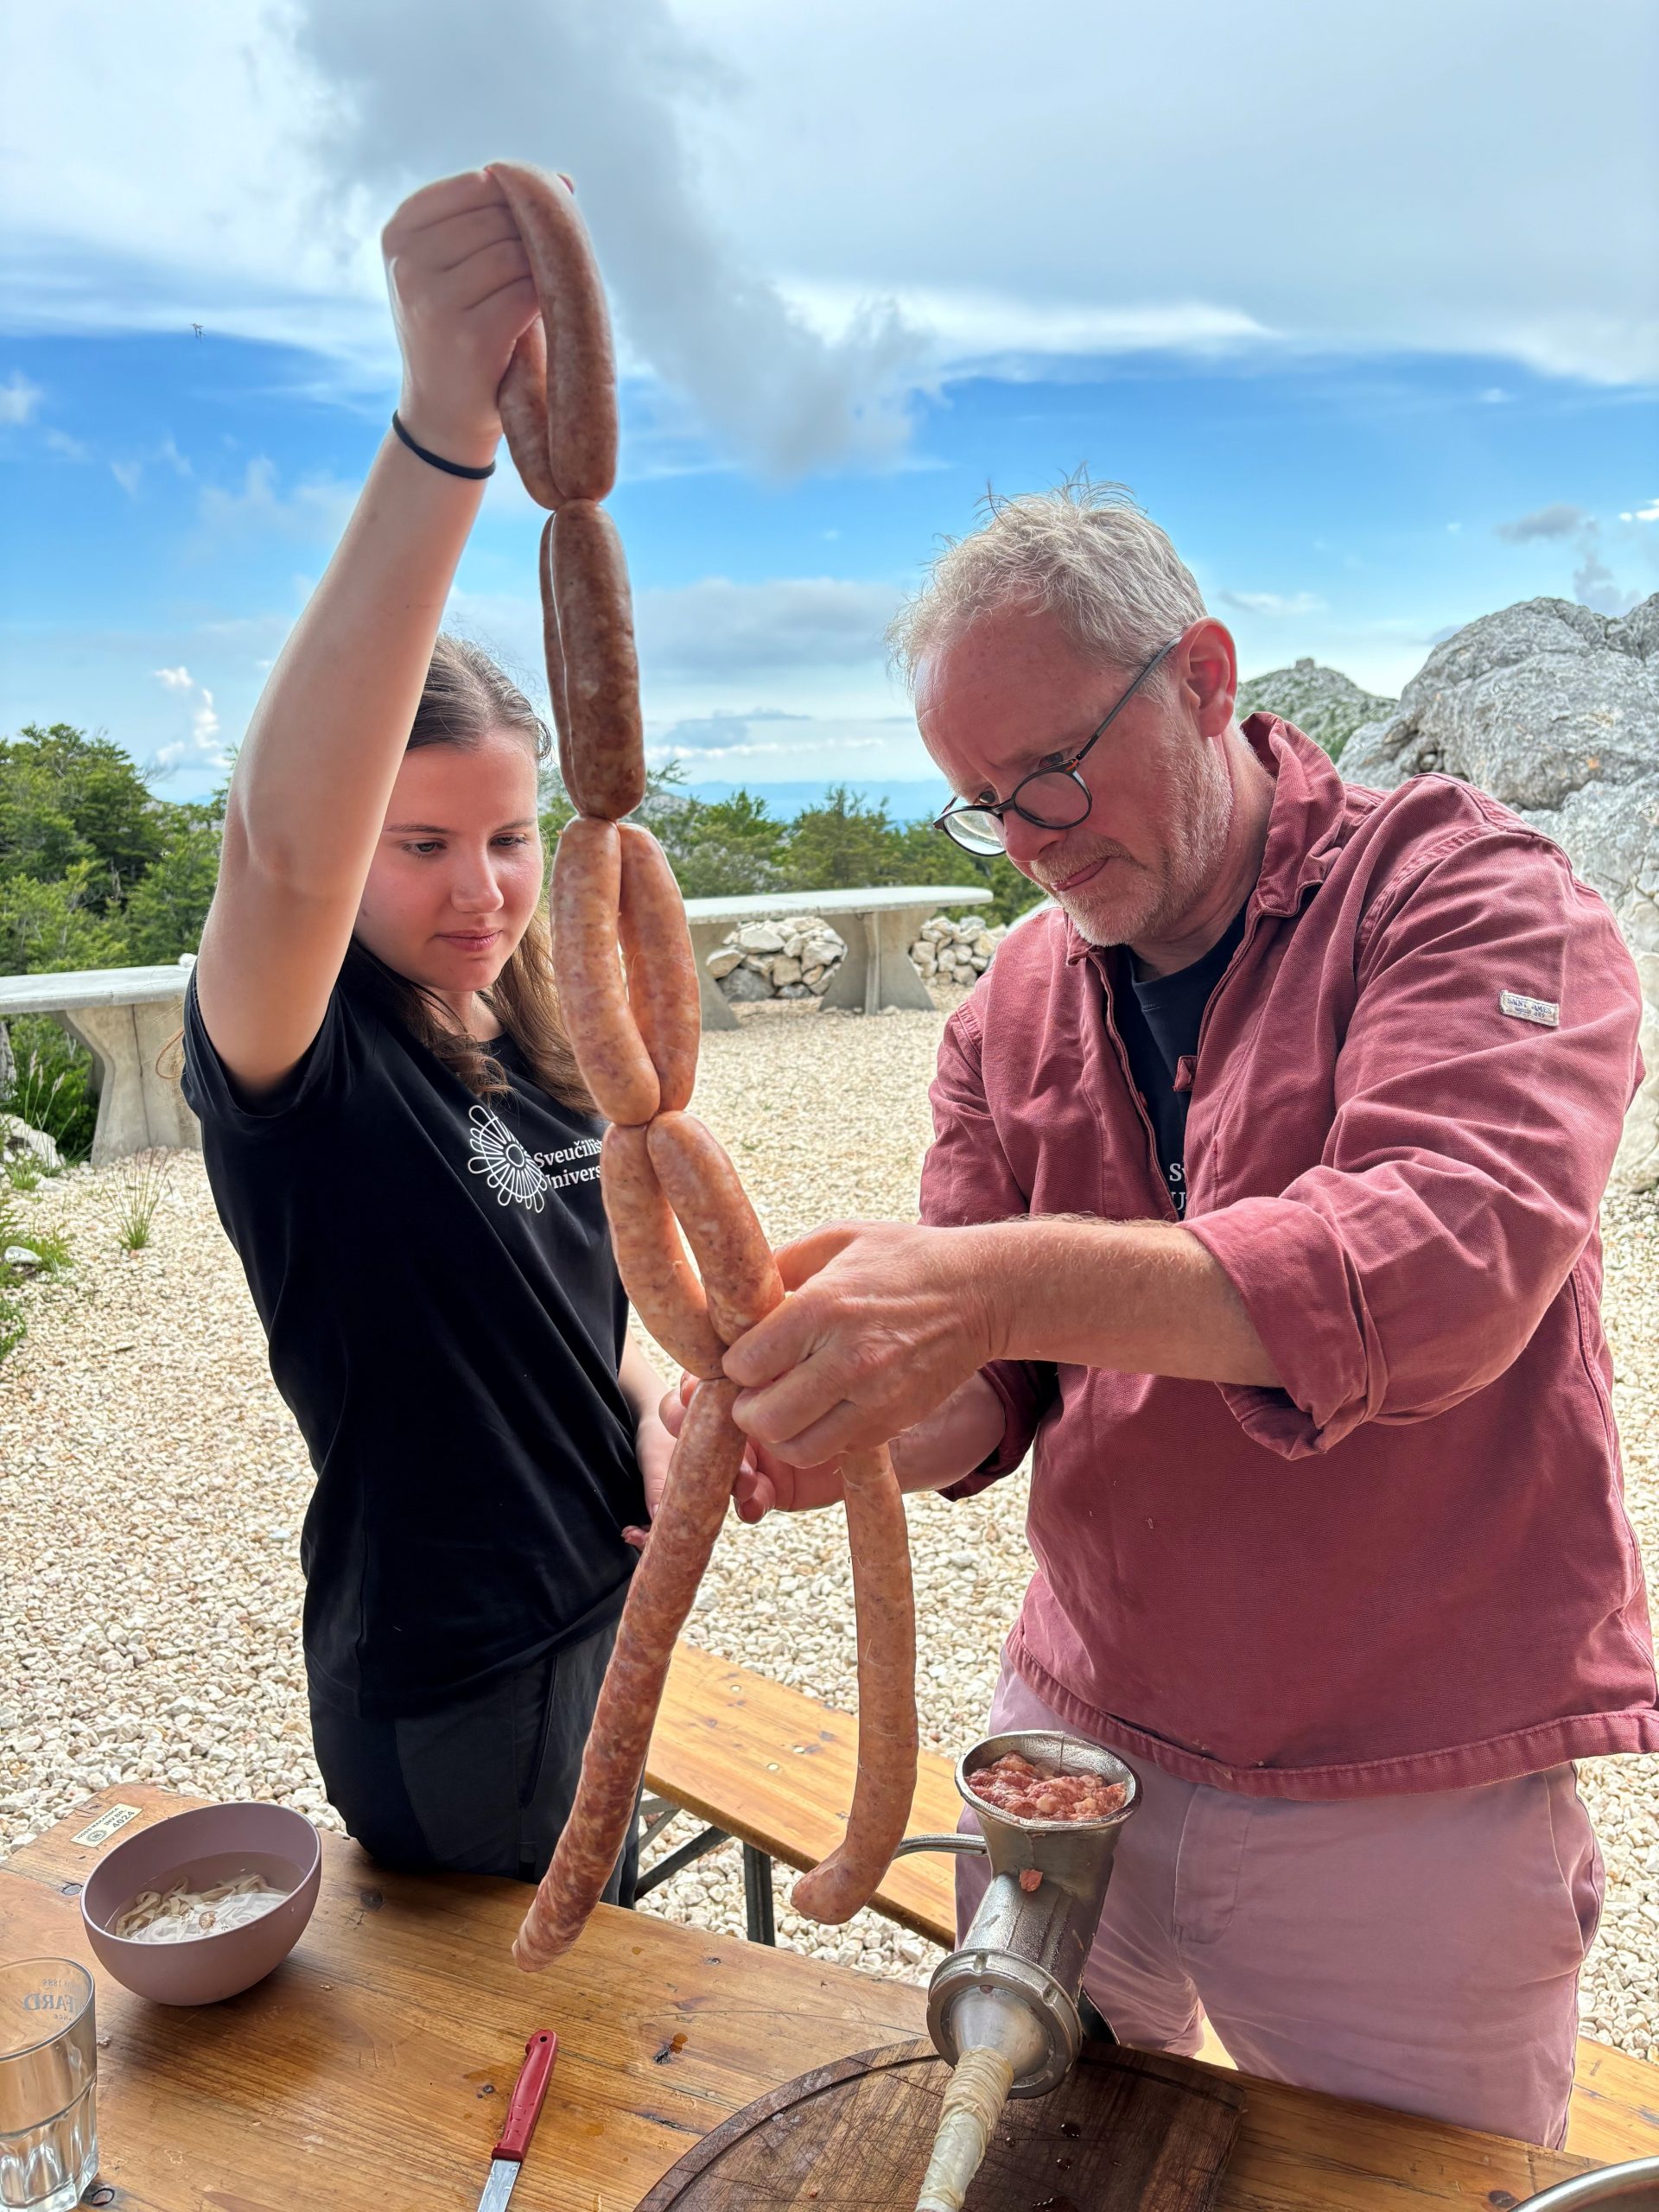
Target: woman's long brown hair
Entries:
(465, 697)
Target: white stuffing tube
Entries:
(979, 2086)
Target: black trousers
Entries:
(482, 1787)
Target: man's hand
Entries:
(884, 1323)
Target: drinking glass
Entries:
(48, 2085)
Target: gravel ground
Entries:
(152, 1487)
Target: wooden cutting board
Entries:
(1128, 2132)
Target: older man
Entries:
(1262, 1200)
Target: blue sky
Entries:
(1360, 302)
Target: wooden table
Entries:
(372, 2070)
(775, 1768)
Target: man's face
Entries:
(1011, 694)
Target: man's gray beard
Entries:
(1205, 808)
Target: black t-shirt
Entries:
(445, 1318)
(1158, 1018)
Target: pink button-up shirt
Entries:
(1410, 1567)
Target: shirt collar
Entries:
(1304, 824)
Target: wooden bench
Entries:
(125, 1018)
(879, 926)
(773, 1769)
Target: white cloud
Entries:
(315, 510)
(71, 449)
(719, 628)
(1272, 603)
(794, 237)
(1649, 514)
(203, 746)
(129, 474)
(1558, 520)
(19, 399)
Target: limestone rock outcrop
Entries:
(1554, 710)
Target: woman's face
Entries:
(457, 873)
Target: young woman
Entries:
(402, 1151)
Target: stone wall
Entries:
(795, 958)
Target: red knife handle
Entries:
(527, 2091)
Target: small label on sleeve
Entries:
(1544, 1011)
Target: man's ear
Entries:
(1209, 662)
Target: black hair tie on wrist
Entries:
(449, 467)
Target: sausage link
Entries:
(661, 969)
(700, 1479)
(553, 649)
(650, 1257)
(587, 890)
(607, 771)
(739, 1276)
(580, 380)
(884, 1609)
(521, 401)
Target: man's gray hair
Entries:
(1084, 553)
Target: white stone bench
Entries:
(125, 1018)
(879, 926)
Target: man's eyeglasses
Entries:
(1053, 797)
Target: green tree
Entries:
(168, 904)
(843, 844)
(724, 848)
(48, 927)
(66, 798)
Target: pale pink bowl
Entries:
(206, 1845)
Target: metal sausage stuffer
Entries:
(1012, 1984)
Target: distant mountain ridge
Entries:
(1323, 703)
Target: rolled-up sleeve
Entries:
(1467, 1158)
(966, 1178)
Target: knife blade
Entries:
(524, 2110)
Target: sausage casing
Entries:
(650, 1257)
(581, 378)
(885, 1611)
(739, 1276)
(700, 1479)
(585, 894)
(661, 969)
(606, 773)
(553, 649)
(522, 404)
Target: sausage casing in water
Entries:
(739, 1276)
(606, 773)
(661, 969)
(587, 891)
(700, 1479)
(650, 1257)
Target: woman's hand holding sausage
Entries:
(461, 294)
(766, 1483)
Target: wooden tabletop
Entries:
(373, 2067)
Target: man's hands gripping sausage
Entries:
(885, 1327)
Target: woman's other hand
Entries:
(461, 294)
(765, 1483)
(656, 1448)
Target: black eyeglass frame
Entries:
(997, 808)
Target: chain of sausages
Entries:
(633, 1023)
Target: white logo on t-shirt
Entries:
(497, 1153)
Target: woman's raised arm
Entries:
(315, 770)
